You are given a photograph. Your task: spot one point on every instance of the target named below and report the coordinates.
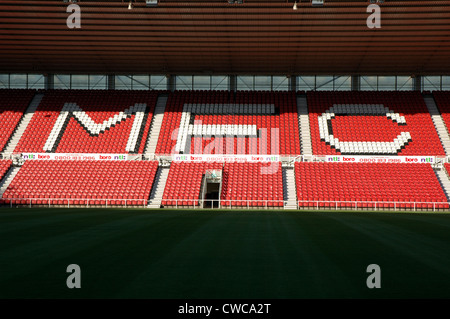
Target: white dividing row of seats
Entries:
(365, 110)
(72, 109)
(229, 109)
(186, 129)
(136, 129)
(51, 140)
(371, 147)
(358, 147)
(222, 130)
(183, 131)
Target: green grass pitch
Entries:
(137, 253)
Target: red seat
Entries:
(92, 183)
(394, 184)
(100, 106)
(359, 128)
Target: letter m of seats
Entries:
(95, 129)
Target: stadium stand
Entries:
(82, 181)
(82, 121)
(184, 183)
(13, 104)
(384, 123)
(371, 182)
(89, 121)
(257, 182)
(251, 120)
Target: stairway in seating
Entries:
(155, 127)
(441, 128)
(443, 177)
(304, 127)
(22, 126)
(158, 187)
(289, 188)
(8, 179)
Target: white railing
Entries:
(225, 204)
(5, 155)
(307, 204)
(136, 157)
(73, 202)
(285, 158)
(102, 202)
(370, 205)
(290, 158)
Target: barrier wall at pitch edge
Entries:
(381, 159)
(75, 157)
(231, 158)
(224, 158)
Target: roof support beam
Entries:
(111, 81)
(418, 83)
(49, 81)
(356, 82)
(233, 85)
(292, 82)
(171, 85)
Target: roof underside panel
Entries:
(215, 37)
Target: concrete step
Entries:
(439, 124)
(8, 179)
(289, 188)
(304, 125)
(22, 126)
(158, 187)
(155, 127)
(444, 180)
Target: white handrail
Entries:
(225, 203)
(376, 205)
(87, 202)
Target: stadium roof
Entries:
(214, 37)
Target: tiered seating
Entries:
(13, 103)
(4, 167)
(259, 182)
(371, 123)
(80, 181)
(85, 121)
(351, 182)
(184, 183)
(442, 99)
(221, 123)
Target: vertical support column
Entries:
(356, 83)
(233, 80)
(417, 83)
(49, 81)
(111, 82)
(171, 85)
(292, 82)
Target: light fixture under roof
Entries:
(151, 3)
(130, 5)
(295, 6)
